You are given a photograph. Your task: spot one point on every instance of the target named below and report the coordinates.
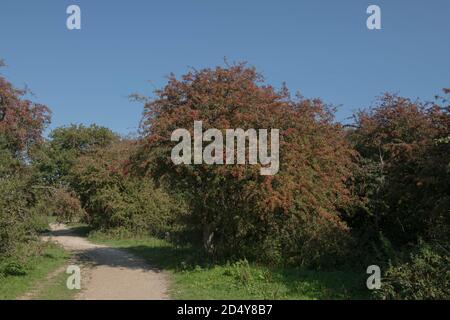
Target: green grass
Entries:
(34, 272)
(56, 289)
(192, 279)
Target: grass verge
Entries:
(33, 271)
(192, 279)
(56, 289)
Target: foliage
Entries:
(342, 196)
(235, 210)
(19, 274)
(404, 176)
(22, 121)
(62, 204)
(57, 156)
(16, 217)
(115, 200)
(20, 133)
(426, 275)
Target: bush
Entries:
(23, 259)
(57, 156)
(21, 130)
(62, 204)
(23, 123)
(19, 222)
(404, 176)
(235, 212)
(314, 242)
(115, 200)
(425, 276)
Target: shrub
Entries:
(236, 212)
(62, 204)
(426, 275)
(21, 128)
(19, 221)
(116, 200)
(57, 156)
(404, 175)
(23, 122)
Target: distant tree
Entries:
(117, 201)
(66, 144)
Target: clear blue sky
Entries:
(321, 48)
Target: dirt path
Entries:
(108, 273)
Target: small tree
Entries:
(116, 200)
(57, 156)
(22, 121)
(21, 125)
(235, 210)
(405, 141)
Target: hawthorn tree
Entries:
(22, 120)
(404, 144)
(21, 125)
(234, 210)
